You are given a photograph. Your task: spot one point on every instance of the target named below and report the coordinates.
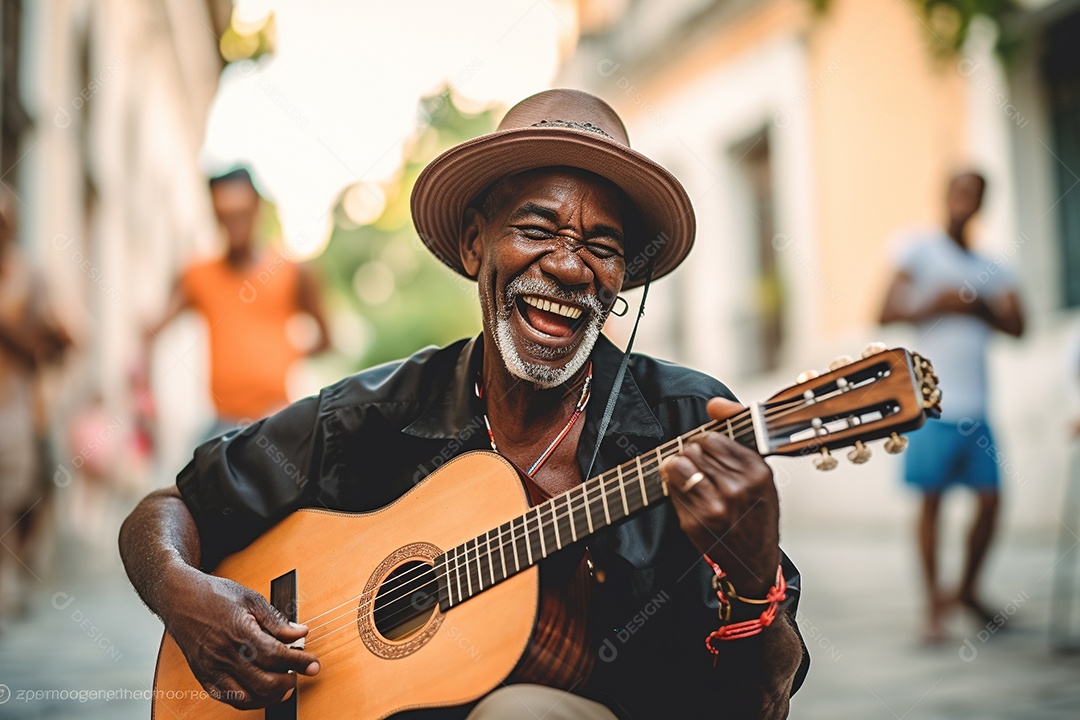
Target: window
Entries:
(762, 326)
(1062, 67)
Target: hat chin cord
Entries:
(609, 409)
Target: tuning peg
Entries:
(826, 461)
(841, 361)
(859, 454)
(895, 444)
(932, 399)
(807, 375)
(873, 349)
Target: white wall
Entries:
(153, 70)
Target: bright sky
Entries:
(337, 102)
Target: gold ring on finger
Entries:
(693, 480)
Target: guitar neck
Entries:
(886, 392)
(565, 519)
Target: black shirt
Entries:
(366, 440)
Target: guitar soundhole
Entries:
(406, 600)
(398, 612)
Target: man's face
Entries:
(549, 264)
(236, 204)
(964, 197)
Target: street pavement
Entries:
(861, 615)
(87, 631)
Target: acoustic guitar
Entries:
(433, 600)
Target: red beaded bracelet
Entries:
(747, 628)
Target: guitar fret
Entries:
(474, 582)
(570, 513)
(479, 567)
(457, 576)
(555, 522)
(528, 538)
(658, 483)
(730, 432)
(540, 532)
(468, 573)
(641, 481)
(491, 564)
(502, 553)
(588, 511)
(622, 490)
(513, 541)
(603, 496)
(445, 560)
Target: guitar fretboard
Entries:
(611, 496)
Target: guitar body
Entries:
(340, 560)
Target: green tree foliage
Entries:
(384, 275)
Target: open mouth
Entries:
(550, 317)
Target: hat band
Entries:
(589, 127)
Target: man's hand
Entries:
(732, 514)
(236, 642)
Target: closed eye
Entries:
(534, 232)
(604, 250)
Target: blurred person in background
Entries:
(957, 299)
(30, 338)
(247, 298)
(103, 466)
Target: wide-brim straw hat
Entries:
(558, 128)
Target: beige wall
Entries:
(888, 129)
(887, 126)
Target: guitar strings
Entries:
(483, 549)
(486, 547)
(744, 423)
(738, 427)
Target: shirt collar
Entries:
(632, 415)
(454, 408)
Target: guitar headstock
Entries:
(883, 394)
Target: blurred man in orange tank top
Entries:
(247, 297)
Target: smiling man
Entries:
(552, 215)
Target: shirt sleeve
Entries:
(904, 250)
(1004, 278)
(240, 484)
(190, 286)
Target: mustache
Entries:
(536, 286)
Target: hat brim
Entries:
(446, 186)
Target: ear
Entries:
(470, 242)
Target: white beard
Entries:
(542, 376)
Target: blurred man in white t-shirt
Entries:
(956, 298)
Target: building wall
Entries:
(864, 125)
(114, 198)
(889, 128)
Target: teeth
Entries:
(553, 307)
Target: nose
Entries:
(565, 266)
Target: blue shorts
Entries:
(941, 454)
